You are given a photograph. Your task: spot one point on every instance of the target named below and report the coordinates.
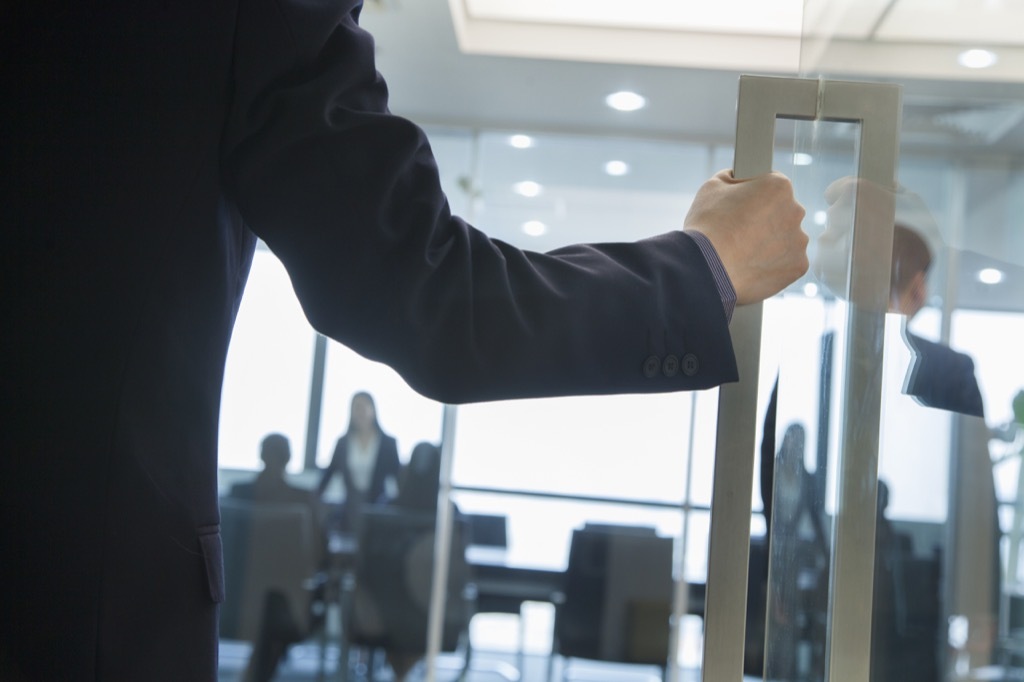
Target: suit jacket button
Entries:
(670, 366)
(652, 366)
(690, 364)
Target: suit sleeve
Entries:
(335, 467)
(347, 195)
(392, 464)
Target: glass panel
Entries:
(267, 375)
(607, 189)
(309, 559)
(575, 476)
(946, 592)
(803, 341)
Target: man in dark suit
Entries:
(146, 146)
(270, 485)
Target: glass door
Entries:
(788, 612)
(888, 455)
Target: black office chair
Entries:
(388, 605)
(617, 601)
(488, 530)
(270, 569)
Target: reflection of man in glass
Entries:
(939, 376)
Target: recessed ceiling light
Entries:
(616, 168)
(990, 276)
(521, 141)
(527, 188)
(810, 290)
(624, 100)
(977, 59)
(534, 228)
(802, 159)
(820, 217)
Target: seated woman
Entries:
(420, 479)
(395, 570)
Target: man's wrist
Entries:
(726, 291)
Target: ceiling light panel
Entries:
(527, 188)
(624, 100)
(780, 17)
(520, 141)
(963, 22)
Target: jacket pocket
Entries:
(213, 558)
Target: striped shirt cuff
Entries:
(725, 289)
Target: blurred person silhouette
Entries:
(271, 484)
(797, 599)
(148, 147)
(367, 461)
(937, 377)
(278, 629)
(420, 481)
(393, 615)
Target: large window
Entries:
(269, 365)
(551, 465)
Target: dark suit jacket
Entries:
(387, 464)
(267, 489)
(271, 490)
(938, 377)
(146, 145)
(943, 378)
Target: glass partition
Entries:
(329, 475)
(946, 592)
(943, 596)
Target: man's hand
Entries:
(755, 227)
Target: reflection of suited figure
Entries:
(366, 458)
(939, 376)
(942, 378)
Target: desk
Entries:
(502, 587)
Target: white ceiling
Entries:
(434, 82)
(881, 37)
(433, 78)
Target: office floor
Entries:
(496, 637)
(303, 665)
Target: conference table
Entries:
(501, 585)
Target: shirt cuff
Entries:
(725, 289)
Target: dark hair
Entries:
(275, 450)
(910, 255)
(365, 395)
(421, 478)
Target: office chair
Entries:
(617, 601)
(270, 564)
(389, 600)
(488, 530)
